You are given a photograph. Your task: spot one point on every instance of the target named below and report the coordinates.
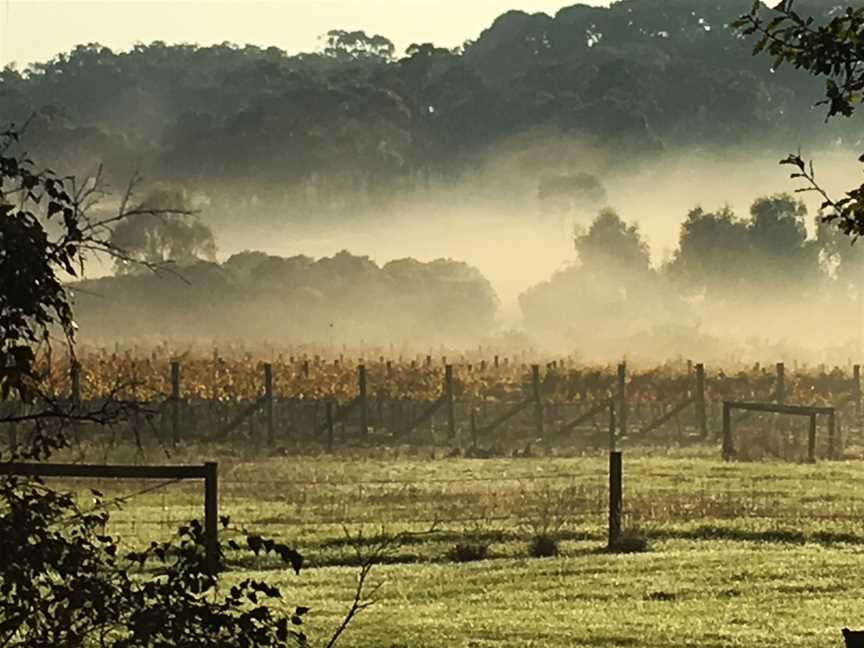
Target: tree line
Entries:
(271, 135)
(254, 296)
(750, 272)
(758, 276)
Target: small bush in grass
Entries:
(543, 546)
(547, 513)
(630, 542)
(468, 551)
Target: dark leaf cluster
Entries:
(64, 582)
(832, 49)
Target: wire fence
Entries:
(730, 499)
(303, 402)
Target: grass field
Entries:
(740, 554)
(682, 593)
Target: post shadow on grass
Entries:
(779, 536)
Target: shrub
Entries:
(468, 551)
(630, 542)
(543, 546)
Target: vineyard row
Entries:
(151, 379)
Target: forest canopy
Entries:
(758, 277)
(355, 124)
(566, 110)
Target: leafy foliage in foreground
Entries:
(828, 47)
(34, 206)
(63, 582)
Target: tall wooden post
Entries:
(612, 427)
(780, 395)
(449, 401)
(75, 379)
(175, 401)
(538, 400)
(211, 514)
(701, 418)
(268, 404)
(364, 401)
(832, 436)
(474, 427)
(856, 392)
(728, 449)
(811, 440)
(622, 399)
(329, 414)
(615, 498)
(14, 410)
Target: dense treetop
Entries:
(355, 119)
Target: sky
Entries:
(36, 30)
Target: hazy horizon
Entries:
(500, 190)
(292, 25)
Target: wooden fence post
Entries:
(811, 440)
(832, 437)
(611, 427)
(448, 396)
(622, 399)
(538, 400)
(268, 395)
(14, 410)
(209, 472)
(75, 379)
(364, 401)
(211, 514)
(728, 450)
(175, 401)
(856, 392)
(615, 498)
(701, 418)
(780, 394)
(329, 414)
